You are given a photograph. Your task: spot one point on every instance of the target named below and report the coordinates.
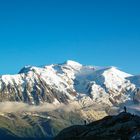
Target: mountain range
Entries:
(62, 83)
(53, 97)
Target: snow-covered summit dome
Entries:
(73, 64)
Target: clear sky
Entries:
(97, 32)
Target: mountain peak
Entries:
(115, 70)
(72, 63)
(26, 69)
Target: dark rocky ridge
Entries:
(124, 126)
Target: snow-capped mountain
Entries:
(67, 82)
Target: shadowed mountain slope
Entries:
(124, 126)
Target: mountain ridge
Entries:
(124, 126)
(66, 82)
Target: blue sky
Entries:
(98, 32)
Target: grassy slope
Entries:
(28, 126)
